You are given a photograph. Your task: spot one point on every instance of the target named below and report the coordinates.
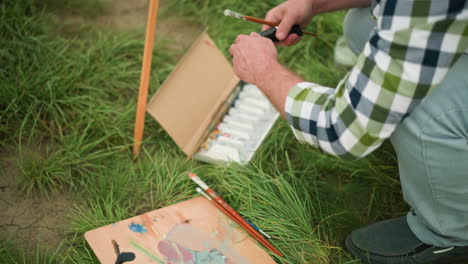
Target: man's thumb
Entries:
(284, 27)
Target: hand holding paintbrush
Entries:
(292, 28)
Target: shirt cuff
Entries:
(298, 112)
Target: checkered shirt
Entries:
(409, 52)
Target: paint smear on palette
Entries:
(186, 244)
(178, 254)
(147, 252)
(137, 228)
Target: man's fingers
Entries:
(239, 38)
(284, 27)
(290, 40)
(272, 16)
(255, 34)
(296, 40)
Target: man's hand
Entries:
(301, 12)
(287, 14)
(253, 57)
(256, 61)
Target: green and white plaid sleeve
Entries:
(409, 52)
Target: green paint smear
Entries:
(212, 256)
(147, 253)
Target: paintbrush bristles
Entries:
(231, 13)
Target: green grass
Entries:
(67, 109)
(11, 253)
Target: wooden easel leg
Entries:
(145, 76)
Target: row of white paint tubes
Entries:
(242, 129)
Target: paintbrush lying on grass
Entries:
(200, 191)
(231, 213)
(231, 13)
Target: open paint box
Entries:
(209, 113)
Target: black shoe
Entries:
(393, 242)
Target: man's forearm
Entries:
(276, 84)
(323, 6)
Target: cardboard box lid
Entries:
(191, 96)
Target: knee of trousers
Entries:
(357, 26)
(432, 149)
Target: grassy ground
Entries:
(67, 109)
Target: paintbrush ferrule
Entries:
(200, 191)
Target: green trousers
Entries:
(432, 149)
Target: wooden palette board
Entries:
(189, 232)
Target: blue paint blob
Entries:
(137, 228)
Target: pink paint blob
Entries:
(174, 251)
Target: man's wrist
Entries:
(276, 74)
(266, 74)
(319, 6)
(276, 84)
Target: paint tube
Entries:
(265, 105)
(240, 119)
(249, 109)
(242, 115)
(234, 133)
(235, 125)
(223, 140)
(249, 88)
(256, 96)
(219, 150)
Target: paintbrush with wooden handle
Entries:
(231, 213)
(231, 13)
